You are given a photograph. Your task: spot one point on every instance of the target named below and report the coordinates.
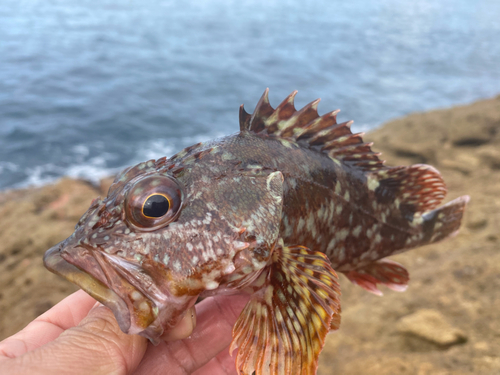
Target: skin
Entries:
(65, 338)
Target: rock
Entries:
(490, 155)
(481, 346)
(104, 185)
(432, 326)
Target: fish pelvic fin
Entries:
(307, 127)
(282, 328)
(384, 271)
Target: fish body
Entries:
(271, 210)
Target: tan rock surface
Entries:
(459, 279)
(432, 326)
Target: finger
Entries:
(48, 326)
(215, 319)
(95, 346)
(222, 364)
(184, 328)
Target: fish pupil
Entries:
(156, 206)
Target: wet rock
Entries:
(431, 326)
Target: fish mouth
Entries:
(55, 263)
(115, 283)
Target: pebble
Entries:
(432, 326)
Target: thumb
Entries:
(95, 346)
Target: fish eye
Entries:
(153, 202)
(156, 205)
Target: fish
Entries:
(274, 210)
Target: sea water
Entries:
(88, 87)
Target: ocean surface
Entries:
(88, 87)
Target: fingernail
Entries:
(96, 305)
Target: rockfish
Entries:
(271, 210)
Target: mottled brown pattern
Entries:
(257, 210)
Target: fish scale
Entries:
(272, 210)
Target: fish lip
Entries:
(55, 263)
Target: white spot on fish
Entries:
(301, 224)
(166, 259)
(338, 209)
(373, 183)
(211, 285)
(230, 268)
(136, 296)
(331, 245)
(342, 234)
(341, 254)
(397, 202)
(208, 218)
(227, 156)
(338, 188)
(285, 143)
(310, 224)
(177, 265)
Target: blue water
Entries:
(90, 86)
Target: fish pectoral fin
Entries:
(335, 322)
(384, 271)
(283, 327)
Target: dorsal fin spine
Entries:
(244, 119)
(305, 115)
(306, 126)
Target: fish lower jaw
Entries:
(136, 313)
(55, 263)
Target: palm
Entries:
(68, 338)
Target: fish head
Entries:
(156, 242)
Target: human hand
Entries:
(78, 336)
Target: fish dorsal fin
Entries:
(414, 189)
(307, 127)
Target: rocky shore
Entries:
(447, 322)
